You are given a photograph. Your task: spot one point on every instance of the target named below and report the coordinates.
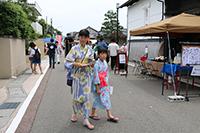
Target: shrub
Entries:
(15, 22)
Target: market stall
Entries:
(180, 26)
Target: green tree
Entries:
(109, 25)
(22, 1)
(32, 15)
(14, 21)
(58, 32)
(43, 23)
(47, 28)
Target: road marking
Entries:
(16, 121)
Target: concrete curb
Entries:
(17, 119)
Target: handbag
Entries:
(70, 80)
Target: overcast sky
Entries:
(73, 15)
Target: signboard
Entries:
(196, 70)
(190, 55)
(122, 59)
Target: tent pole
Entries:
(163, 76)
(170, 61)
(169, 48)
(129, 47)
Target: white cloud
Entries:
(73, 15)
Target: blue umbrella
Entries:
(46, 40)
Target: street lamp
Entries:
(117, 6)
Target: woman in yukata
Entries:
(101, 88)
(80, 61)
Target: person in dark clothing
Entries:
(68, 44)
(51, 52)
(103, 43)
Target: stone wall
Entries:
(40, 44)
(12, 57)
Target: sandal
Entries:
(95, 118)
(74, 119)
(91, 127)
(88, 125)
(114, 120)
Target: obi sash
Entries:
(102, 78)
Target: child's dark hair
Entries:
(113, 40)
(101, 38)
(32, 44)
(84, 33)
(102, 51)
(52, 40)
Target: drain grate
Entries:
(9, 105)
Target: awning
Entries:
(177, 25)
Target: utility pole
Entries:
(51, 26)
(46, 26)
(117, 6)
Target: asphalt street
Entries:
(136, 101)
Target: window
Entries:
(146, 16)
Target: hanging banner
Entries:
(59, 39)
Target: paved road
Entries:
(137, 102)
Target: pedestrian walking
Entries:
(31, 52)
(68, 43)
(113, 48)
(36, 59)
(101, 89)
(79, 60)
(51, 51)
(103, 43)
(124, 49)
(58, 52)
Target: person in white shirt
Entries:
(124, 49)
(36, 59)
(31, 54)
(58, 52)
(113, 48)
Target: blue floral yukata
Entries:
(82, 80)
(101, 75)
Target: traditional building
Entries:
(93, 33)
(36, 26)
(144, 12)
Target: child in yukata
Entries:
(101, 90)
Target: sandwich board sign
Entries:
(196, 70)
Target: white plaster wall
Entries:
(37, 27)
(136, 16)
